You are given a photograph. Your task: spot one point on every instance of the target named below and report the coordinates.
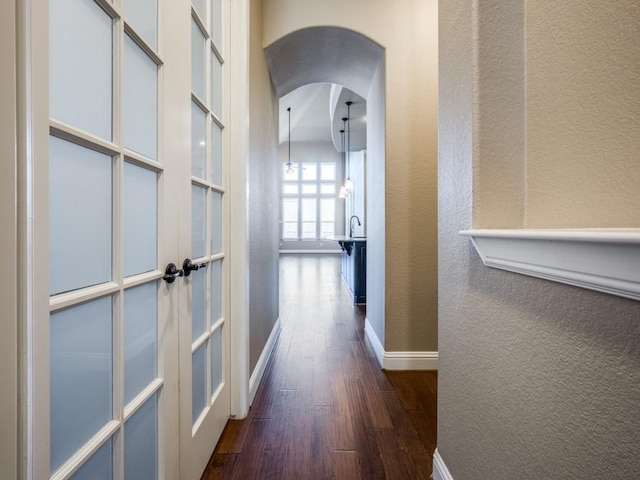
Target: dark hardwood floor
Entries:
(324, 408)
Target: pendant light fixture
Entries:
(343, 189)
(289, 166)
(348, 184)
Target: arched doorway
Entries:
(344, 57)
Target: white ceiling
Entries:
(310, 114)
(323, 54)
(315, 113)
(303, 66)
(357, 125)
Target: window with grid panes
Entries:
(308, 200)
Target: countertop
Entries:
(345, 238)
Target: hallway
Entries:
(324, 409)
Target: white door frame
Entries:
(33, 242)
(8, 246)
(239, 234)
(31, 188)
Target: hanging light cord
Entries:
(289, 166)
(343, 190)
(344, 150)
(349, 183)
(349, 126)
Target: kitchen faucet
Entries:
(351, 224)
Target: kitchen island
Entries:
(354, 265)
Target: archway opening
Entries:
(353, 65)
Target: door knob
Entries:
(171, 273)
(188, 266)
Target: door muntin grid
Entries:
(208, 197)
(104, 360)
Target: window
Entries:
(308, 201)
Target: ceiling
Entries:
(316, 115)
(323, 54)
(309, 68)
(310, 114)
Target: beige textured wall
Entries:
(583, 114)
(536, 379)
(8, 246)
(407, 30)
(499, 141)
(263, 194)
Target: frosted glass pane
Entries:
(216, 23)
(198, 141)
(198, 303)
(327, 209)
(290, 230)
(216, 290)
(198, 221)
(309, 171)
(99, 466)
(290, 188)
(142, 15)
(328, 188)
(328, 171)
(198, 381)
(216, 359)
(308, 209)
(140, 219)
(80, 216)
(290, 210)
(81, 377)
(327, 229)
(140, 101)
(80, 65)
(141, 442)
(199, 6)
(216, 222)
(216, 86)
(308, 230)
(216, 154)
(309, 188)
(197, 61)
(140, 338)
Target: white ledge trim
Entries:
(605, 260)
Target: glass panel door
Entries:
(109, 308)
(205, 391)
(132, 377)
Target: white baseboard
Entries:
(410, 361)
(310, 251)
(258, 371)
(399, 360)
(440, 470)
(374, 341)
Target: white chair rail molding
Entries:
(605, 260)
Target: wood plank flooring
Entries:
(324, 409)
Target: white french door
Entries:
(112, 333)
(137, 354)
(204, 341)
